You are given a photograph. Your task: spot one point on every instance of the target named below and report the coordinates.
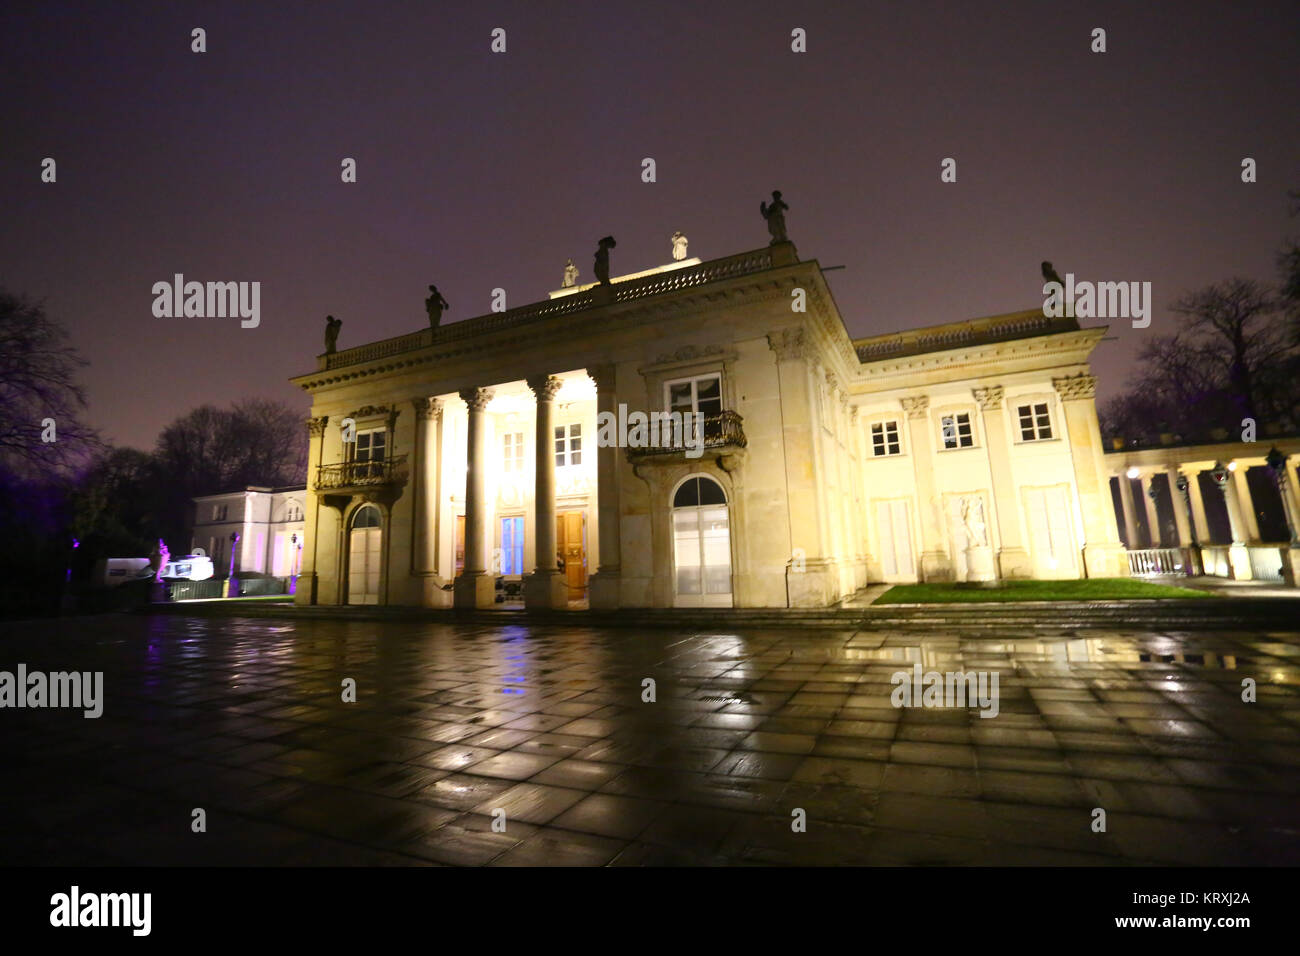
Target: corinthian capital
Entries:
(789, 344)
(1075, 387)
(916, 405)
(544, 386)
(989, 398)
(316, 426)
(476, 398)
(429, 409)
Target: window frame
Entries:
(1031, 403)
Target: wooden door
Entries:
(570, 534)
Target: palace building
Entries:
(474, 467)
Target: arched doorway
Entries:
(701, 545)
(365, 549)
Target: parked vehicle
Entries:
(114, 572)
(192, 567)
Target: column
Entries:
(424, 520)
(1238, 556)
(813, 586)
(935, 562)
(1200, 523)
(1103, 555)
(1182, 503)
(1013, 557)
(305, 589)
(545, 586)
(1153, 513)
(1246, 504)
(603, 586)
(1279, 468)
(1130, 511)
(475, 587)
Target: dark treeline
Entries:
(1234, 355)
(60, 482)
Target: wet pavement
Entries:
(458, 730)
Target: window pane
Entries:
(679, 396)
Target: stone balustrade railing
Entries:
(711, 271)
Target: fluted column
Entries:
(475, 587)
(1013, 557)
(1130, 511)
(1182, 507)
(1246, 505)
(936, 565)
(545, 586)
(1103, 555)
(603, 587)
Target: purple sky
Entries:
(479, 170)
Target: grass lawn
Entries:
(1089, 589)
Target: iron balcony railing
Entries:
(719, 431)
(361, 474)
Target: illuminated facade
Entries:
(461, 465)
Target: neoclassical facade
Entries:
(473, 462)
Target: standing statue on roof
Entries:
(602, 259)
(434, 306)
(775, 216)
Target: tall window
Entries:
(512, 453)
(512, 545)
(884, 439)
(568, 445)
(957, 430)
(293, 512)
(1035, 422)
(702, 395)
(370, 447)
(219, 512)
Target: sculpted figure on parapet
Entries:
(602, 259)
(434, 305)
(332, 326)
(570, 275)
(775, 216)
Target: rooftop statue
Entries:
(332, 326)
(570, 275)
(775, 216)
(679, 247)
(1049, 275)
(602, 259)
(434, 305)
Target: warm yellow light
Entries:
(1133, 472)
(1232, 466)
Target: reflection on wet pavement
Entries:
(455, 724)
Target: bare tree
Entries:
(39, 395)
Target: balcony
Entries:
(349, 476)
(722, 433)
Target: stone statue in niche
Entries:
(332, 326)
(602, 259)
(570, 275)
(679, 247)
(775, 216)
(434, 305)
(972, 516)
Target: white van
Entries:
(114, 572)
(192, 567)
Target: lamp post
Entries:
(232, 585)
(297, 553)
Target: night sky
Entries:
(478, 170)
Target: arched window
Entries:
(701, 544)
(365, 553)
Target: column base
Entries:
(1239, 563)
(603, 590)
(1105, 561)
(1291, 566)
(817, 585)
(935, 566)
(435, 591)
(546, 589)
(1014, 564)
(475, 589)
(979, 565)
